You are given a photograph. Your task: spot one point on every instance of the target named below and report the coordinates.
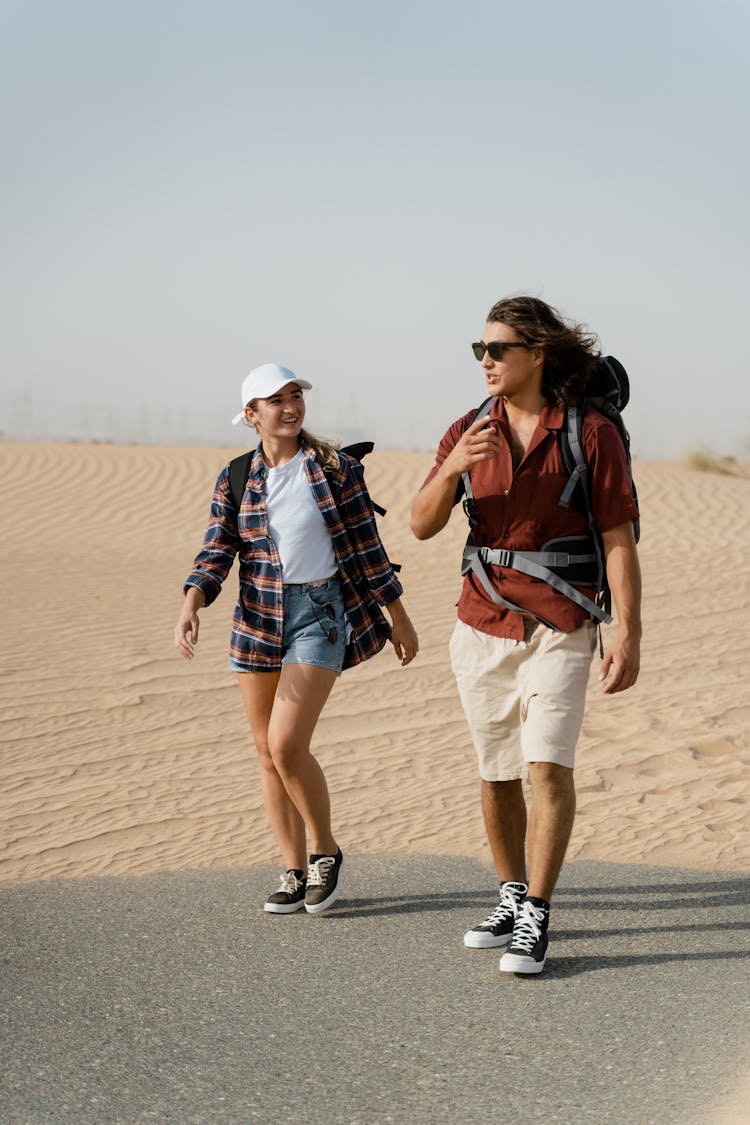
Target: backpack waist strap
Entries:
(536, 564)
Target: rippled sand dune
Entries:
(119, 757)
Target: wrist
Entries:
(450, 474)
(194, 600)
(396, 611)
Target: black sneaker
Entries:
(497, 928)
(289, 897)
(527, 951)
(323, 881)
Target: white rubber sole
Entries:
(474, 939)
(316, 909)
(515, 963)
(281, 908)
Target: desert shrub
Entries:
(704, 461)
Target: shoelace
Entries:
(506, 908)
(528, 927)
(318, 872)
(289, 883)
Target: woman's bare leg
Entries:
(300, 697)
(258, 690)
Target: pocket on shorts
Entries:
(328, 608)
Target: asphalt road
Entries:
(175, 998)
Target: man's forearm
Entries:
(432, 506)
(624, 578)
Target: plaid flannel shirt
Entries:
(367, 578)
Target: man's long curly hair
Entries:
(570, 351)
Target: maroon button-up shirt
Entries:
(521, 511)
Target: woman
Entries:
(313, 577)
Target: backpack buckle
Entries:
(497, 557)
(470, 510)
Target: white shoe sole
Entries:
(515, 963)
(318, 906)
(474, 939)
(280, 908)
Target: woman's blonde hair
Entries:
(325, 451)
(325, 454)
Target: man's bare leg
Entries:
(504, 810)
(550, 825)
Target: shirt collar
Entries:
(258, 466)
(551, 417)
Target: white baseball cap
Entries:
(264, 381)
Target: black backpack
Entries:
(580, 558)
(239, 471)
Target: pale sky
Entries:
(192, 189)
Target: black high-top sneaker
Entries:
(497, 928)
(527, 951)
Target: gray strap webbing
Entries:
(520, 560)
(535, 563)
(473, 563)
(550, 559)
(581, 468)
(484, 409)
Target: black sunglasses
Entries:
(495, 349)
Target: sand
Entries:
(118, 757)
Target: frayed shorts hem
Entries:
(233, 666)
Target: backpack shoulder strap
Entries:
(358, 450)
(482, 412)
(574, 459)
(239, 471)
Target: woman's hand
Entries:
(186, 629)
(403, 633)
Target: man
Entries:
(521, 650)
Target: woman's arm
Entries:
(403, 633)
(186, 629)
(357, 514)
(220, 543)
(211, 566)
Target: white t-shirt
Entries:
(296, 524)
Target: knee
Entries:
(550, 776)
(265, 759)
(283, 754)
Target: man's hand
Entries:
(622, 660)
(478, 443)
(620, 666)
(434, 502)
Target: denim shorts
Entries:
(314, 625)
